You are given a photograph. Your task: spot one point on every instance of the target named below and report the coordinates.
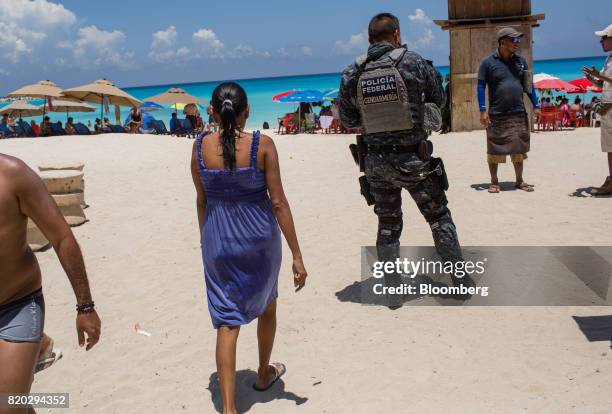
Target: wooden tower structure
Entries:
(473, 25)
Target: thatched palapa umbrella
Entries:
(101, 91)
(44, 89)
(22, 108)
(176, 96)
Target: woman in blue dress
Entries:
(241, 204)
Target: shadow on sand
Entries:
(587, 192)
(503, 185)
(595, 328)
(246, 396)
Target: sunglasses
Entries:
(515, 40)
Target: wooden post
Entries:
(473, 25)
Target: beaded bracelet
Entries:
(85, 308)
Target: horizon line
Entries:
(310, 74)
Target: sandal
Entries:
(48, 357)
(525, 187)
(279, 371)
(494, 188)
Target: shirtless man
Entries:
(22, 308)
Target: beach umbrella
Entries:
(331, 94)
(44, 89)
(176, 96)
(102, 92)
(276, 98)
(585, 85)
(22, 108)
(302, 96)
(149, 106)
(545, 81)
(71, 106)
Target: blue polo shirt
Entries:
(504, 80)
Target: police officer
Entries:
(391, 93)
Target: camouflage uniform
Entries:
(388, 172)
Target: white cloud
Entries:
(357, 43)
(206, 44)
(36, 13)
(294, 51)
(419, 33)
(163, 47)
(164, 38)
(306, 50)
(96, 47)
(4, 72)
(419, 16)
(25, 24)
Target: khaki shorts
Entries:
(501, 159)
(606, 132)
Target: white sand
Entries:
(142, 252)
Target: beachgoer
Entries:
(135, 121)
(558, 101)
(70, 127)
(446, 107)
(564, 109)
(45, 127)
(175, 126)
(398, 153)
(547, 102)
(97, 126)
(24, 348)
(5, 119)
(106, 125)
(603, 80)
(35, 128)
(240, 204)
(506, 75)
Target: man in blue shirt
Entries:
(506, 75)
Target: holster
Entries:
(365, 190)
(437, 168)
(425, 150)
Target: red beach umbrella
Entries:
(585, 85)
(556, 83)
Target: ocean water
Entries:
(260, 91)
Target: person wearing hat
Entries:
(506, 74)
(603, 80)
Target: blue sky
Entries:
(144, 42)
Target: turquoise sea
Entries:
(260, 91)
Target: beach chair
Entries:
(159, 127)
(117, 129)
(56, 129)
(310, 123)
(548, 116)
(81, 129)
(19, 131)
(186, 127)
(5, 132)
(289, 123)
(574, 120)
(27, 129)
(595, 118)
(326, 123)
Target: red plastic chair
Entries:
(548, 116)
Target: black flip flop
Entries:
(279, 370)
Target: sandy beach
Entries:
(141, 247)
